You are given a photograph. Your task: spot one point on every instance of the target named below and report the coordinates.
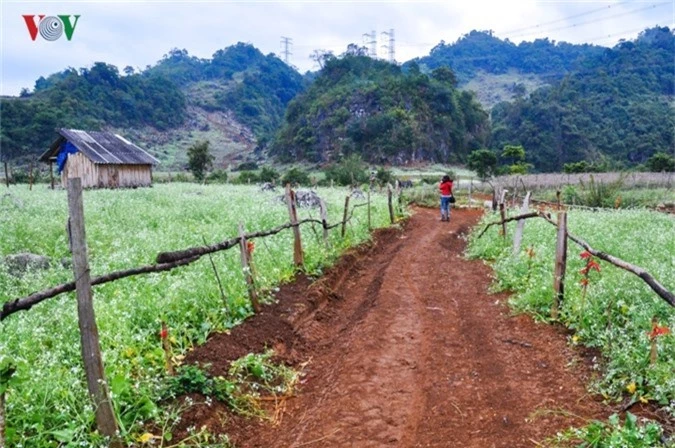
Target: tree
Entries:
(268, 174)
(295, 176)
(445, 75)
(200, 159)
(661, 162)
(483, 162)
(516, 153)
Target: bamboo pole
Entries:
(91, 350)
(298, 257)
(246, 266)
(560, 264)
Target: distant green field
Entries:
(47, 406)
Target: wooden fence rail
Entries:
(165, 261)
(654, 284)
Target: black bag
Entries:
(452, 199)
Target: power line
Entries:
(286, 42)
(564, 19)
(390, 47)
(602, 19)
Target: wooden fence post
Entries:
(557, 195)
(470, 189)
(6, 175)
(518, 236)
(324, 221)
(298, 257)
(560, 264)
(51, 174)
(391, 207)
(91, 350)
(369, 226)
(502, 212)
(30, 177)
(246, 266)
(344, 216)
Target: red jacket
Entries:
(446, 188)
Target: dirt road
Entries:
(406, 348)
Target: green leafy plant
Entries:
(613, 434)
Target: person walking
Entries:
(445, 188)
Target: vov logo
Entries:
(51, 28)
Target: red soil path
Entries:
(406, 348)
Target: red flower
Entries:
(658, 331)
(250, 246)
(164, 333)
(584, 281)
(592, 264)
(585, 254)
(584, 271)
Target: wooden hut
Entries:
(100, 159)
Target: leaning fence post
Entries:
(246, 266)
(391, 207)
(51, 174)
(518, 236)
(560, 264)
(91, 350)
(324, 221)
(6, 175)
(344, 216)
(298, 257)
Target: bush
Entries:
(247, 177)
(384, 176)
(295, 176)
(661, 162)
(349, 171)
(247, 166)
(268, 174)
(218, 176)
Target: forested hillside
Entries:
(165, 107)
(370, 107)
(239, 78)
(88, 98)
(616, 109)
(481, 51)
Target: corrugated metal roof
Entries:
(102, 148)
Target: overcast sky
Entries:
(138, 33)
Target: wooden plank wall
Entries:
(78, 165)
(105, 176)
(113, 176)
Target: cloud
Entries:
(138, 33)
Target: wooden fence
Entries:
(563, 236)
(165, 261)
